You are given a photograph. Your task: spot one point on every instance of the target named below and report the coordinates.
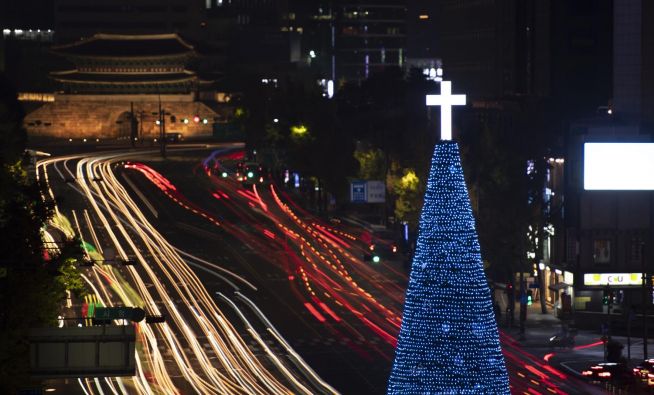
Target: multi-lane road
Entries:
(218, 343)
(260, 296)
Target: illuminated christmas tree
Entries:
(448, 342)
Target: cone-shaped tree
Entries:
(448, 342)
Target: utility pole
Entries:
(132, 124)
(645, 293)
(162, 126)
(162, 130)
(140, 130)
(630, 317)
(608, 312)
(523, 303)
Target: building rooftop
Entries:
(126, 46)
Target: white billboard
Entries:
(619, 166)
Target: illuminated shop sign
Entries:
(613, 279)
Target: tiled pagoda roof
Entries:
(127, 46)
(123, 78)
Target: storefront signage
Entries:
(568, 277)
(617, 279)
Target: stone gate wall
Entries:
(97, 117)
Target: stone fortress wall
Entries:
(106, 116)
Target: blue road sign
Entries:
(358, 192)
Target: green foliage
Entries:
(409, 191)
(386, 113)
(65, 266)
(371, 163)
(33, 290)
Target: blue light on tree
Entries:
(448, 342)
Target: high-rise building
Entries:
(78, 19)
(258, 37)
(348, 40)
(610, 231)
(633, 61)
(367, 37)
(26, 15)
(509, 48)
(27, 33)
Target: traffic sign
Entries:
(367, 191)
(358, 192)
(376, 192)
(119, 313)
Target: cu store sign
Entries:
(613, 279)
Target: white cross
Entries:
(446, 100)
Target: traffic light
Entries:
(371, 258)
(606, 297)
(530, 298)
